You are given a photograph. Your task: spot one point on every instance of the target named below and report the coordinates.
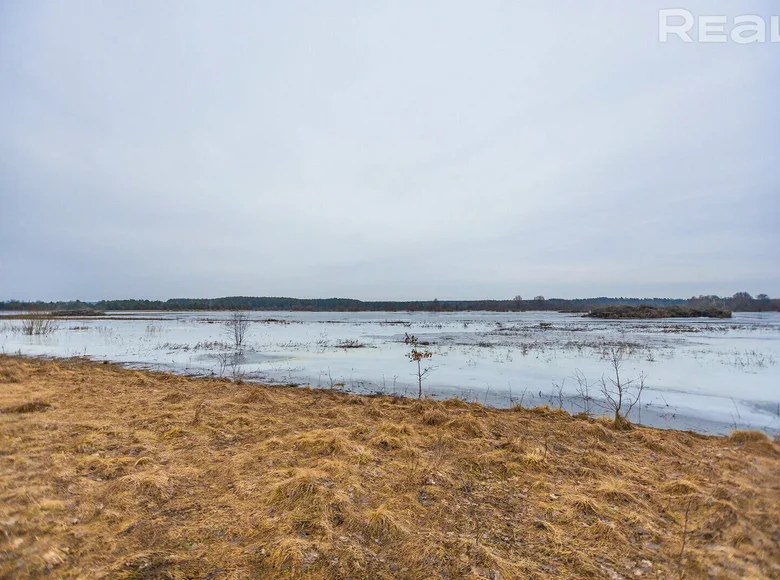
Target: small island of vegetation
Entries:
(620, 311)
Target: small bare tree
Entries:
(583, 388)
(417, 355)
(620, 394)
(236, 370)
(223, 358)
(237, 327)
(231, 360)
(557, 393)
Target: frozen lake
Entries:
(705, 375)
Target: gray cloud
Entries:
(382, 150)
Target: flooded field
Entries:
(705, 375)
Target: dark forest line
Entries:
(740, 302)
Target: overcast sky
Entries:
(383, 150)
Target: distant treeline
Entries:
(740, 302)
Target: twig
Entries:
(684, 537)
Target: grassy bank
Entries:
(108, 472)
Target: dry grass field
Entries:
(112, 473)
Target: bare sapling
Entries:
(557, 393)
(620, 394)
(417, 355)
(236, 370)
(222, 362)
(684, 537)
(583, 389)
(230, 360)
(236, 328)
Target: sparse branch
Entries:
(640, 386)
(558, 392)
(583, 388)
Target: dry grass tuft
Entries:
(288, 556)
(148, 475)
(587, 505)
(455, 403)
(616, 490)
(681, 487)
(498, 463)
(256, 395)
(434, 417)
(466, 425)
(32, 407)
(324, 442)
(534, 459)
(310, 502)
(175, 398)
(11, 374)
(388, 442)
(604, 531)
(515, 445)
(382, 524)
(748, 436)
(301, 488)
(547, 411)
(155, 486)
(362, 456)
(395, 429)
(600, 433)
(757, 441)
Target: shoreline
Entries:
(658, 418)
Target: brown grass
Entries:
(748, 436)
(112, 473)
(756, 441)
(31, 407)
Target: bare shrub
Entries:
(557, 393)
(583, 389)
(231, 361)
(223, 358)
(349, 343)
(515, 403)
(237, 372)
(39, 325)
(237, 328)
(620, 394)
